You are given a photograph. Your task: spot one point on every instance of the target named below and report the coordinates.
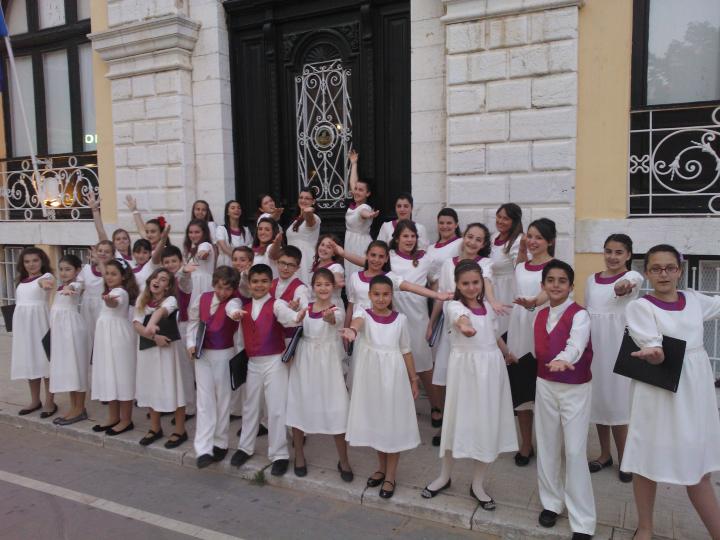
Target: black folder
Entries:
(46, 344)
(665, 375)
(436, 330)
(238, 369)
(167, 327)
(200, 338)
(7, 313)
(523, 377)
(290, 349)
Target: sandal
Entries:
(375, 482)
(387, 493)
(597, 466)
(175, 440)
(151, 437)
(436, 422)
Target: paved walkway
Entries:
(514, 488)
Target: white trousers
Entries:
(562, 416)
(267, 377)
(187, 371)
(212, 377)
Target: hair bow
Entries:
(162, 222)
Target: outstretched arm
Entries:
(94, 204)
(131, 203)
(424, 291)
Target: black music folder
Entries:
(523, 378)
(167, 326)
(200, 338)
(238, 369)
(7, 313)
(665, 375)
(46, 344)
(290, 349)
(436, 330)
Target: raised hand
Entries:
(93, 202)
(354, 156)
(131, 203)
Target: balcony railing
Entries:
(58, 191)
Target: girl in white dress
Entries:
(448, 244)
(93, 282)
(69, 346)
(30, 324)
(403, 210)
(120, 237)
(231, 235)
(268, 243)
(146, 260)
(325, 257)
(478, 422)
(114, 358)
(382, 407)
(304, 232)
(540, 241)
(506, 254)
(317, 397)
(152, 229)
(673, 437)
(199, 252)
(358, 217)
(201, 210)
(266, 208)
(607, 294)
(158, 379)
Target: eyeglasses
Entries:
(669, 270)
(283, 264)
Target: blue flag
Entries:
(3, 26)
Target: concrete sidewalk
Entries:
(514, 488)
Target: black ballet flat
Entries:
(522, 461)
(436, 440)
(97, 428)
(112, 433)
(428, 493)
(347, 476)
(387, 493)
(300, 471)
(436, 422)
(23, 412)
(625, 477)
(151, 437)
(175, 440)
(48, 414)
(375, 482)
(485, 505)
(597, 466)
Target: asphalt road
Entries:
(55, 488)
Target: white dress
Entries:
(388, 228)
(158, 378)
(446, 283)
(317, 399)
(335, 268)
(202, 276)
(358, 288)
(236, 240)
(478, 421)
(382, 409)
(610, 392)
(142, 273)
(264, 258)
(94, 287)
(503, 266)
(414, 306)
(30, 324)
(69, 347)
(114, 359)
(674, 437)
(439, 252)
(305, 239)
(357, 235)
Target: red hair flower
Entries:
(162, 222)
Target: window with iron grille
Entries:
(10, 255)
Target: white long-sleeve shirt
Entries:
(282, 312)
(579, 333)
(194, 316)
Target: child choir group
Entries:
(502, 301)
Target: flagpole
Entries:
(33, 157)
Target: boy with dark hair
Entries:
(287, 286)
(211, 369)
(262, 318)
(562, 403)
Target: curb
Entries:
(508, 522)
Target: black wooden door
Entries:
(310, 81)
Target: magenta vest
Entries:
(548, 346)
(263, 336)
(183, 304)
(220, 331)
(287, 296)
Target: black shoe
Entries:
(151, 437)
(239, 458)
(485, 505)
(279, 467)
(234, 417)
(436, 422)
(176, 440)
(428, 493)
(597, 466)
(347, 476)
(23, 412)
(48, 414)
(204, 461)
(187, 417)
(436, 440)
(581, 536)
(522, 461)
(111, 432)
(375, 482)
(387, 493)
(219, 453)
(547, 518)
(300, 471)
(625, 477)
(262, 430)
(97, 428)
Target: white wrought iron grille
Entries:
(324, 131)
(674, 166)
(61, 189)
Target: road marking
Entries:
(115, 508)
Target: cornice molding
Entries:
(457, 11)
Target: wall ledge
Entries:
(457, 11)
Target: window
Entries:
(9, 257)
(675, 121)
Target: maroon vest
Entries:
(183, 304)
(548, 346)
(263, 336)
(287, 295)
(221, 329)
